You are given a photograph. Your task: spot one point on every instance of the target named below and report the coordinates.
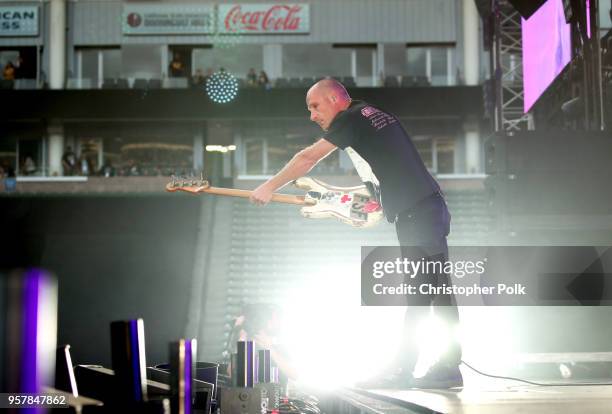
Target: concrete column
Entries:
(57, 44)
(273, 60)
(380, 67)
(198, 151)
(473, 148)
(55, 132)
(354, 64)
(471, 43)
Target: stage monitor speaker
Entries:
(527, 7)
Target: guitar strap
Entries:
(365, 173)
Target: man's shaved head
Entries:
(325, 99)
(330, 86)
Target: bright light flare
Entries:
(435, 336)
(334, 341)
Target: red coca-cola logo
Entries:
(276, 18)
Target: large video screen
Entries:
(546, 49)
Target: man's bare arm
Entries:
(297, 167)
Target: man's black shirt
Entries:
(380, 139)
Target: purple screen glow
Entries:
(546, 49)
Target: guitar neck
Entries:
(276, 197)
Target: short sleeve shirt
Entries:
(379, 138)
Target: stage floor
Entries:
(486, 395)
(591, 399)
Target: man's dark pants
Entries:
(423, 230)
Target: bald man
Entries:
(385, 157)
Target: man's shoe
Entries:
(439, 377)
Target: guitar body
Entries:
(351, 205)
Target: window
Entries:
(88, 75)
(440, 69)
(438, 153)
(445, 153)
(431, 63)
(111, 63)
(94, 65)
(316, 61)
(254, 150)
(263, 149)
(140, 61)
(236, 59)
(416, 61)
(395, 60)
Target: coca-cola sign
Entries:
(264, 18)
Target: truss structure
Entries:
(507, 69)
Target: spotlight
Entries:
(222, 87)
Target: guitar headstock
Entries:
(188, 184)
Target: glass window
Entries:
(89, 65)
(111, 63)
(254, 153)
(439, 66)
(395, 59)
(267, 148)
(315, 61)
(438, 153)
(416, 61)
(236, 59)
(431, 62)
(365, 66)
(364, 61)
(278, 155)
(140, 61)
(445, 151)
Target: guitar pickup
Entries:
(314, 194)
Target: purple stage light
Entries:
(588, 18)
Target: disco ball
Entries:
(222, 87)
